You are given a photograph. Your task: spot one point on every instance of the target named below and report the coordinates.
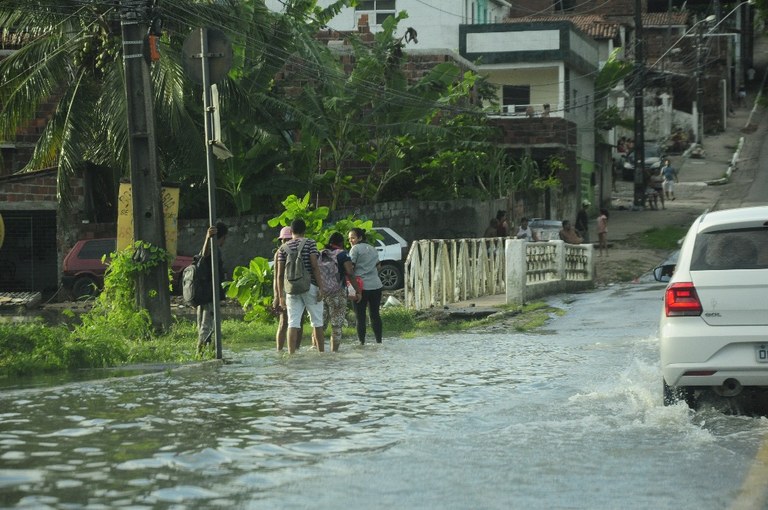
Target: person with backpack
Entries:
(205, 303)
(366, 261)
(298, 278)
(282, 314)
(335, 267)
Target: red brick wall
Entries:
(40, 189)
(552, 131)
(34, 187)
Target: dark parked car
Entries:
(83, 270)
(654, 155)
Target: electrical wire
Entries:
(309, 69)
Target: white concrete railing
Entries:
(443, 271)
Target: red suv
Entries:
(83, 271)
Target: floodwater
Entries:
(567, 417)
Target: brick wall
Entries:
(537, 131)
(38, 187)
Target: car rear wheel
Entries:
(391, 276)
(674, 395)
(83, 287)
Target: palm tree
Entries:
(74, 59)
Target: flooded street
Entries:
(566, 417)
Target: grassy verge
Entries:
(37, 348)
(665, 238)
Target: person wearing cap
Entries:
(282, 313)
(582, 221)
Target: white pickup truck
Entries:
(393, 250)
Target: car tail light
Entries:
(681, 299)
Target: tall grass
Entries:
(665, 238)
(37, 348)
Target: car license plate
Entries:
(761, 353)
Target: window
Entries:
(377, 10)
(516, 96)
(96, 249)
(731, 249)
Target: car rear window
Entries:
(388, 239)
(96, 249)
(731, 249)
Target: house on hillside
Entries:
(543, 70)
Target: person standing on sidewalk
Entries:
(602, 231)
(670, 178)
(582, 221)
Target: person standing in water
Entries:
(366, 261)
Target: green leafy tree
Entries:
(258, 114)
(252, 286)
(615, 71)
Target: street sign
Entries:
(219, 55)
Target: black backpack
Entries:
(196, 283)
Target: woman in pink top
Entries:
(602, 231)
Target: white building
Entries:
(435, 21)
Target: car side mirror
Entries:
(664, 273)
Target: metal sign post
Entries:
(198, 47)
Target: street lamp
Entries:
(708, 19)
(747, 2)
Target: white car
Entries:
(393, 250)
(546, 230)
(714, 325)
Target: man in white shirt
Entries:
(525, 231)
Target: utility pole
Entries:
(152, 293)
(699, 92)
(639, 113)
(209, 137)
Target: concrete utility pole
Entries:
(152, 291)
(699, 90)
(639, 100)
